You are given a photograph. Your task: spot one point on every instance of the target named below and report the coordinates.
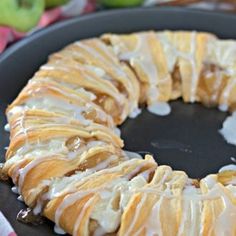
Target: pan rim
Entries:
(63, 24)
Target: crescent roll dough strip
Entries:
(190, 51)
(37, 119)
(44, 133)
(75, 76)
(100, 59)
(32, 173)
(99, 186)
(172, 205)
(151, 207)
(145, 55)
(45, 96)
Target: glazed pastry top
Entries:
(66, 156)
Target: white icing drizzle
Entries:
(68, 184)
(110, 218)
(117, 131)
(223, 107)
(99, 232)
(110, 63)
(7, 128)
(209, 74)
(146, 174)
(128, 188)
(228, 130)
(65, 184)
(70, 200)
(136, 215)
(225, 222)
(122, 78)
(20, 198)
(233, 159)
(193, 64)
(114, 93)
(172, 55)
(57, 105)
(107, 217)
(22, 129)
(52, 104)
(64, 153)
(136, 111)
(104, 164)
(142, 56)
(121, 75)
(37, 150)
(193, 201)
(217, 83)
(154, 221)
(15, 110)
(191, 212)
(132, 155)
(90, 50)
(160, 108)
(228, 167)
(222, 53)
(58, 230)
(81, 215)
(227, 90)
(210, 181)
(38, 208)
(191, 58)
(97, 70)
(76, 87)
(15, 190)
(24, 171)
(135, 171)
(91, 95)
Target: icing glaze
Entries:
(160, 108)
(7, 128)
(58, 230)
(228, 167)
(233, 159)
(15, 189)
(132, 155)
(228, 129)
(20, 198)
(135, 113)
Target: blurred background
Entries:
(20, 18)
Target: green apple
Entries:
(22, 15)
(54, 3)
(121, 3)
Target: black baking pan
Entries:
(187, 139)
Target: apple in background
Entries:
(22, 15)
(121, 3)
(54, 3)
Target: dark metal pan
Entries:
(187, 139)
